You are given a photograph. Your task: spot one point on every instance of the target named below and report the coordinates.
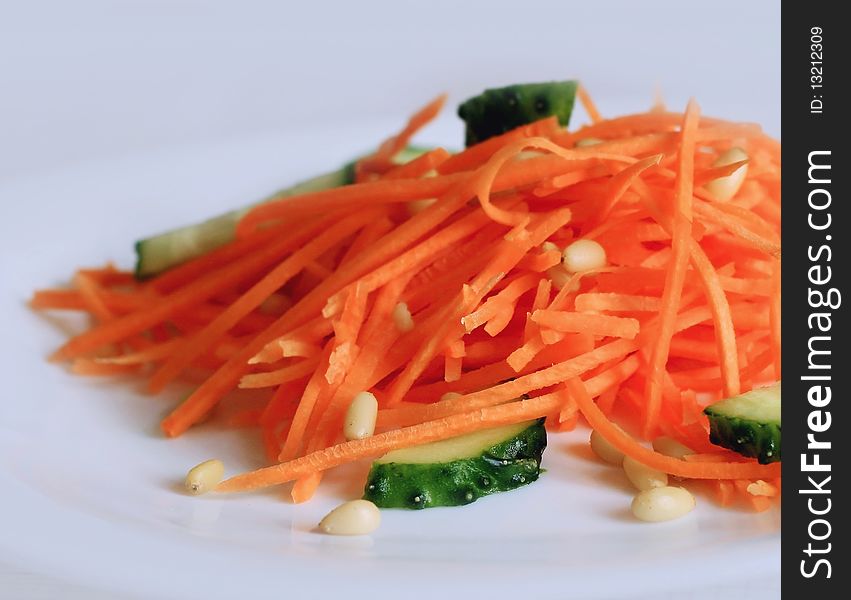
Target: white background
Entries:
(87, 80)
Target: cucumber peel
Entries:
(459, 470)
(498, 110)
(166, 250)
(748, 424)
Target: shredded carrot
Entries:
(675, 278)
(90, 292)
(673, 466)
(150, 354)
(722, 319)
(381, 160)
(476, 156)
(279, 376)
(588, 104)
(587, 323)
(305, 487)
(496, 303)
(88, 366)
(386, 191)
(621, 182)
(616, 302)
(376, 445)
(419, 166)
(252, 299)
(299, 307)
(183, 299)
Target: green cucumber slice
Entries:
(498, 110)
(748, 424)
(459, 470)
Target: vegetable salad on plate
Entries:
(441, 312)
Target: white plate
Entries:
(90, 490)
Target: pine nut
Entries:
(204, 477)
(725, 188)
(583, 255)
(360, 417)
(450, 396)
(670, 447)
(642, 476)
(605, 450)
(662, 504)
(356, 517)
(402, 317)
(550, 247)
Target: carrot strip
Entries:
(673, 466)
(150, 354)
(419, 166)
(305, 408)
(209, 393)
(90, 292)
(540, 262)
(452, 368)
(382, 443)
(305, 487)
(202, 289)
(282, 406)
(537, 380)
(477, 155)
(574, 387)
(376, 339)
(282, 375)
(573, 322)
(506, 258)
(486, 178)
(395, 144)
(724, 491)
(722, 319)
(616, 302)
(312, 332)
(109, 276)
(415, 258)
(367, 236)
(251, 299)
(686, 347)
(588, 104)
(716, 217)
(193, 269)
(88, 366)
(506, 296)
(370, 193)
(612, 377)
(620, 183)
(675, 278)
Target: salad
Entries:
(440, 313)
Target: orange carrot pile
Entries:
(303, 307)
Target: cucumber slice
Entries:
(161, 252)
(748, 423)
(499, 110)
(459, 470)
